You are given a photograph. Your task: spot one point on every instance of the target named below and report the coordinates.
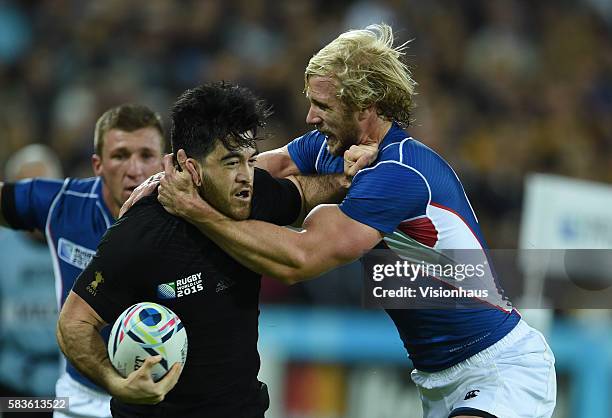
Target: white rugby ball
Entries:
(143, 330)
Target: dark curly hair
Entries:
(212, 112)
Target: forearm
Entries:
(273, 251)
(316, 190)
(85, 348)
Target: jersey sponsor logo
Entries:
(471, 394)
(182, 287)
(74, 254)
(224, 284)
(93, 286)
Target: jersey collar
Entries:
(394, 135)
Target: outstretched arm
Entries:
(79, 339)
(329, 239)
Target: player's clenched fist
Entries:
(358, 157)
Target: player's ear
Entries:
(96, 164)
(193, 168)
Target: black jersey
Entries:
(149, 251)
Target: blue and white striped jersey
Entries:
(73, 216)
(412, 196)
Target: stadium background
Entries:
(506, 88)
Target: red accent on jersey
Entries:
(420, 229)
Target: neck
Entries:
(377, 131)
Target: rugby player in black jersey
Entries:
(216, 124)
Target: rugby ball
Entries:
(143, 330)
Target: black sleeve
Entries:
(9, 210)
(107, 284)
(275, 200)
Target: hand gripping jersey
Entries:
(73, 216)
(412, 196)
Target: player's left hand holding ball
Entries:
(140, 388)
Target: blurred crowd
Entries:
(505, 87)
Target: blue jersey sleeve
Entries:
(31, 202)
(305, 151)
(385, 195)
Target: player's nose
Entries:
(312, 117)
(135, 167)
(245, 174)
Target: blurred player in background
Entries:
(481, 362)
(74, 214)
(148, 249)
(29, 356)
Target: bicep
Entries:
(277, 162)
(335, 239)
(76, 310)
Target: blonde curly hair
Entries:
(368, 71)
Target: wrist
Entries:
(114, 383)
(345, 181)
(199, 211)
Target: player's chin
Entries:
(241, 209)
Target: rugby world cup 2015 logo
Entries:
(166, 290)
(182, 287)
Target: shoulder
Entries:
(74, 187)
(311, 142)
(312, 136)
(387, 171)
(407, 151)
(148, 225)
(83, 184)
(412, 154)
(389, 182)
(412, 150)
(147, 211)
(262, 178)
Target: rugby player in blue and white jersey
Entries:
(75, 213)
(479, 362)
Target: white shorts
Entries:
(513, 378)
(82, 401)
